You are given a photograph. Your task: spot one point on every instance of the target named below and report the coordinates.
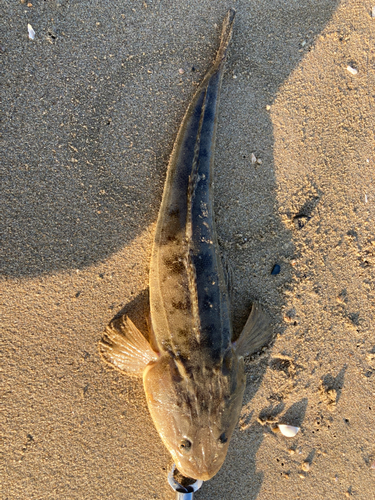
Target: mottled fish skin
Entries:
(194, 383)
(188, 296)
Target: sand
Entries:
(90, 111)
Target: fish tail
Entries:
(226, 36)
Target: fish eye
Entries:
(223, 438)
(185, 445)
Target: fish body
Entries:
(193, 374)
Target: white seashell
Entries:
(288, 430)
(352, 70)
(253, 158)
(31, 32)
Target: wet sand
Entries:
(90, 110)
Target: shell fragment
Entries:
(31, 32)
(352, 71)
(288, 430)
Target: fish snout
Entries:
(201, 466)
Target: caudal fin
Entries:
(226, 35)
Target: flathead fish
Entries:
(193, 372)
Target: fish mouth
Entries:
(202, 473)
(205, 476)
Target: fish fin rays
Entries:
(124, 347)
(256, 333)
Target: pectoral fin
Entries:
(124, 347)
(256, 333)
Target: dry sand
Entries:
(90, 111)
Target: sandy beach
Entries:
(90, 109)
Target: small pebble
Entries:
(306, 466)
(31, 32)
(181, 71)
(268, 107)
(352, 70)
(276, 269)
(372, 466)
(288, 430)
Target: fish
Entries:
(193, 372)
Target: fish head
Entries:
(195, 417)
